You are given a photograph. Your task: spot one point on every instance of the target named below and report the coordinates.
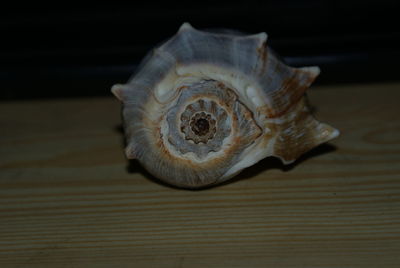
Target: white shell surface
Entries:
(204, 106)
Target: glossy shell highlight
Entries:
(204, 106)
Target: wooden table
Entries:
(69, 198)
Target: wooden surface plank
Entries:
(69, 198)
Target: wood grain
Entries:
(69, 198)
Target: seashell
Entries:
(204, 106)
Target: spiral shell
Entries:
(204, 106)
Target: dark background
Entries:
(77, 50)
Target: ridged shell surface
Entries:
(204, 106)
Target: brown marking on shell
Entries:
(213, 107)
(190, 108)
(262, 52)
(248, 114)
(299, 134)
(201, 103)
(292, 90)
(182, 87)
(232, 95)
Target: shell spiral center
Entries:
(198, 123)
(201, 128)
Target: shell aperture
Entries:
(204, 106)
